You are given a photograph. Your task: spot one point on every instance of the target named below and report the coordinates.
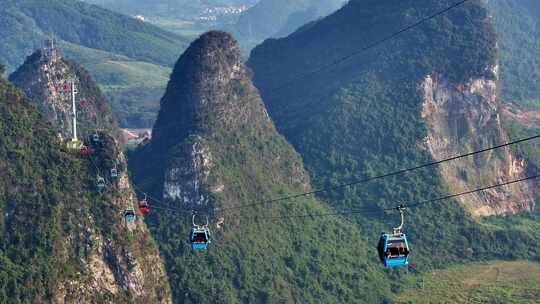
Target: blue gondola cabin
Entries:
(114, 173)
(95, 138)
(199, 238)
(129, 215)
(394, 250)
(100, 183)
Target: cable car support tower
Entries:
(75, 143)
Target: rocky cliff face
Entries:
(208, 98)
(188, 175)
(110, 259)
(378, 112)
(214, 148)
(382, 104)
(466, 117)
(122, 262)
(46, 79)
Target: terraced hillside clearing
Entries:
(491, 282)
(133, 87)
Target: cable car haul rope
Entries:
(393, 247)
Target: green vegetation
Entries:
(25, 23)
(528, 150)
(518, 25)
(134, 107)
(178, 8)
(253, 258)
(38, 181)
(488, 282)
(132, 87)
(526, 222)
(362, 118)
(278, 18)
(179, 16)
(97, 113)
(185, 28)
(52, 215)
(28, 255)
(130, 59)
(117, 70)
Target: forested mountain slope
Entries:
(518, 25)
(62, 240)
(25, 24)
(278, 18)
(485, 282)
(46, 79)
(129, 58)
(427, 94)
(215, 148)
(165, 7)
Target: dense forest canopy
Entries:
(518, 25)
(213, 130)
(85, 25)
(245, 146)
(130, 59)
(362, 117)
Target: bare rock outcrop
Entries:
(465, 117)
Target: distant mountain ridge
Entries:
(28, 22)
(157, 7)
(129, 58)
(279, 18)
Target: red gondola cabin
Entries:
(144, 207)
